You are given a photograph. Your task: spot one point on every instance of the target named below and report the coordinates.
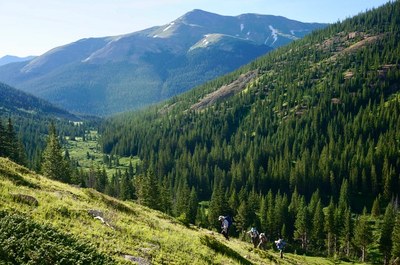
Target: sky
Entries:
(32, 27)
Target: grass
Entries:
(88, 154)
(147, 235)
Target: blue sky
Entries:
(32, 27)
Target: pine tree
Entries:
(218, 206)
(166, 198)
(317, 228)
(126, 187)
(363, 234)
(301, 225)
(385, 240)
(53, 165)
(375, 211)
(242, 220)
(345, 234)
(329, 227)
(396, 239)
(193, 203)
(148, 190)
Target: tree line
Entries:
(321, 113)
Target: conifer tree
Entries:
(385, 240)
(301, 225)
(147, 189)
(263, 214)
(218, 206)
(53, 165)
(242, 220)
(329, 227)
(375, 211)
(363, 234)
(126, 187)
(193, 203)
(396, 239)
(166, 198)
(317, 228)
(345, 234)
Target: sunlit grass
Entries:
(132, 229)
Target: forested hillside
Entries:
(24, 123)
(108, 75)
(309, 149)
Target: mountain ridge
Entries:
(106, 75)
(13, 59)
(16, 102)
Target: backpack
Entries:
(229, 219)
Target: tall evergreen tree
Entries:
(396, 239)
(53, 165)
(317, 228)
(345, 234)
(218, 206)
(148, 190)
(329, 227)
(302, 225)
(363, 234)
(193, 205)
(385, 240)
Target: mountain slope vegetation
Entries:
(16, 102)
(319, 124)
(48, 222)
(102, 76)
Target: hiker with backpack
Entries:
(262, 241)
(254, 236)
(280, 244)
(225, 223)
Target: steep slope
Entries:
(112, 74)
(14, 102)
(320, 119)
(54, 223)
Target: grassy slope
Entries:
(137, 231)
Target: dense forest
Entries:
(308, 151)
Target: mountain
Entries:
(13, 59)
(106, 75)
(14, 102)
(302, 142)
(48, 222)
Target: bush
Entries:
(23, 241)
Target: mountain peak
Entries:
(199, 17)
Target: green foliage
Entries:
(396, 239)
(385, 240)
(54, 166)
(23, 241)
(363, 235)
(321, 110)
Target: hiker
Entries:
(262, 241)
(224, 226)
(254, 236)
(280, 244)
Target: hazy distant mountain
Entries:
(13, 59)
(14, 102)
(113, 74)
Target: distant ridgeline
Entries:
(103, 76)
(25, 120)
(318, 126)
